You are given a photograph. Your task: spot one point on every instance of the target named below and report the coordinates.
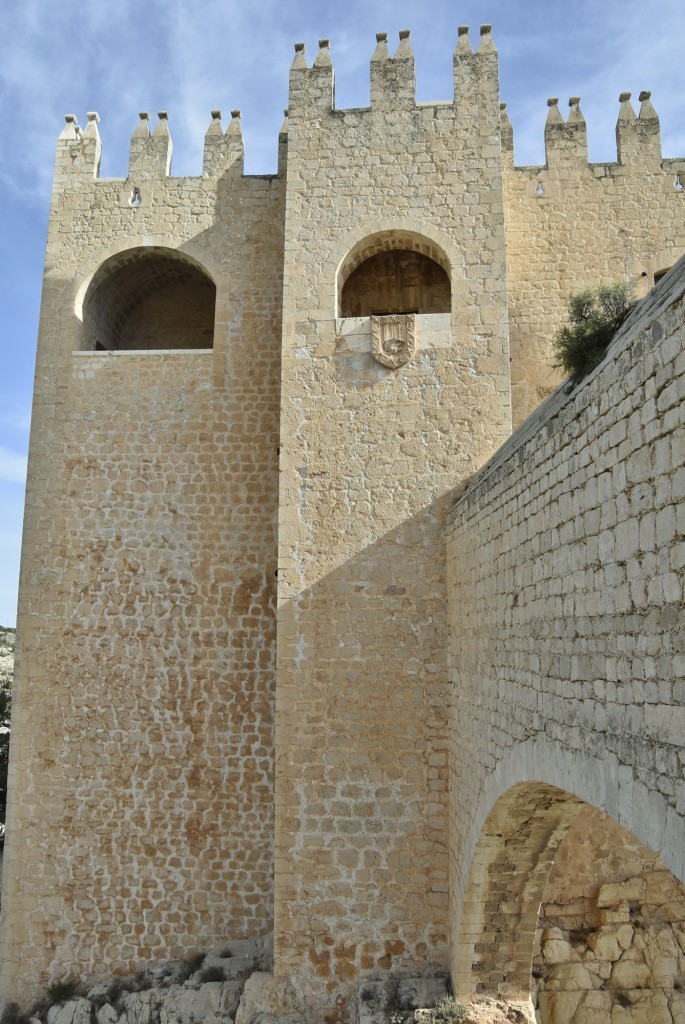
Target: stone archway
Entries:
(509, 871)
(149, 297)
(567, 909)
(394, 271)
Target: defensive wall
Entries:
(143, 726)
(565, 568)
(255, 400)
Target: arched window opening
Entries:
(149, 298)
(394, 273)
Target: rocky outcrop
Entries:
(229, 990)
(625, 963)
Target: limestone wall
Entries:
(141, 781)
(565, 561)
(366, 451)
(571, 224)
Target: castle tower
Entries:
(255, 399)
(395, 387)
(141, 795)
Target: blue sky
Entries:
(119, 57)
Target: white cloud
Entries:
(12, 466)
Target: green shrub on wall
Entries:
(594, 316)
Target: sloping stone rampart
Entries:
(565, 561)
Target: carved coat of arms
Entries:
(393, 339)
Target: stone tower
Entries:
(255, 399)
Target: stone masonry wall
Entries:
(565, 559)
(571, 224)
(190, 765)
(366, 451)
(141, 779)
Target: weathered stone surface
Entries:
(650, 1008)
(145, 1007)
(74, 1011)
(413, 993)
(107, 1015)
(288, 716)
(627, 975)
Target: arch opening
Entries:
(149, 298)
(567, 910)
(394, 272)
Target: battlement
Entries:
(392, 81)
(240, 664)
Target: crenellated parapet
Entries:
(565, 141)
(638, 138)
(475, 105)
(311, 90)
(476, 77)
(393, 79)
(150, 152)
(78, 152)
(223, 152)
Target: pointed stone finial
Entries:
(284, 126)
(404, 50)
(649, 133)
(234, 125)
(486, 40)
(215, 128)
(142, 129)
(554, 114)
(162, 127)
(506, 132)
(647, 111)
(575, 115)
(626, 113)
(91, 129)
(69, 130)
(323, 57)
(381, 52)
(299, 60)
(92, 147)
(463, 43)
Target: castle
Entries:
(279, 674)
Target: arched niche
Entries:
(149, 298)
(567, 911)
(394, 272)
